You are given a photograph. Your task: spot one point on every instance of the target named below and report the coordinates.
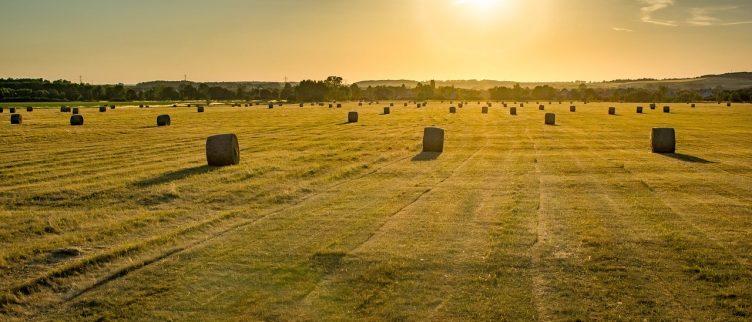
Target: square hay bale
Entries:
(352, 117)
(512, 110)
(433, 139)
(391, 104)
(163, 120)
(331, 105)
(199, 109)
(222, 150)
(76, 120)
(360, 103)
(484, 110)
(339, 105)
(270, 105)
(16, 119)
(573, 108)
(522, 104)
(666, 109)
(663, 140)
(504, 104)
(639, 110)
(612, 110)
(387, 110)
(550, 119)
(452, 109)
(29, 109)
(693, 105)
(103, 109)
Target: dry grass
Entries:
(325, 220)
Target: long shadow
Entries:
(175, 175)
(686, 158)
(426, 156)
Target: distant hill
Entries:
(727, 81)
(227, 85)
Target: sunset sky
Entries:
(108, 41)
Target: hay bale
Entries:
(489, 104)
(352, 117)
(424, 104)
(513, 110)
(405, 105)
(29, 109)
(386, 110)
(163, 120)
(12, 110)
(74, 111)
(693, 105)
(541, 107)
(522, 104)
(270, 105)
(222, 150)
(666, 109)
(1, 109)
(16, 119)
(64, 109)
(652, 106)
(140, 105)
(360, 103)
(484, 110)
(728, 104)
(663, 140)
(612, 110)
(279, 104)
(550, 119)
(460, 105)
(339, 105)
(103, 109)
(452, 109)
(301, 105)
(504, 104)
(76, 120)
(199, 109)
(573, 108)
(639, 110)
(433, 139)
(391, 104)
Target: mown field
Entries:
(324, 220)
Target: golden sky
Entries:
(109, 41)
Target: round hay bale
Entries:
(29, 109)
(639, 110)
(652, 106)
(484, 110)
(612, 110)
(460, 105)
(550, 119)
(199, 109)
(433, 139)
(74, 111)
(16, 119)
(573, 108)
(728, 104)
(513, 110)
(140, 105)
(666, 109)
(301, 105)
(424, 104)
(112, 107)
(339, 105)
(391, 104)
(541, 107)
(504, 104)
(352, 117)
(452, 109)
(663, 140)
(417, 105)
(64, 109)
(174, 105)
(693, 105)
(222, 150)
(1, 109)
(103, 109)
(360, 103)
(386, 110)
(489, 104)
(522, 104)
(163, 120)
(76, 120)
(12, 110)
(405, 104)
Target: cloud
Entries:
(651, 7)
(621, 29)
(708, 16)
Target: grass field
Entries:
(324, 220)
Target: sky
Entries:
(129, 41)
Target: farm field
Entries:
(325, 220)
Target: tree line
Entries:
(333, 88)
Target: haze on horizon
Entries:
(109, 41)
